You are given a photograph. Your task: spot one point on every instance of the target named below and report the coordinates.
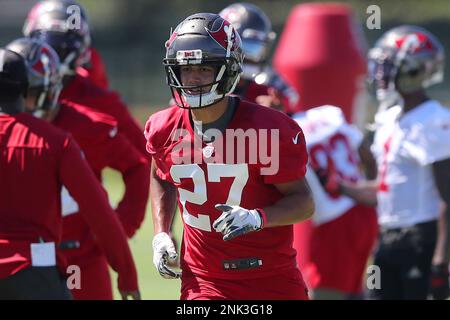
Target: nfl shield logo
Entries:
(208, 151)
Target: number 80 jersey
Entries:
(260, 147)
(333, 150)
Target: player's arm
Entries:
(78, 178)
(364, 192)
(368, 160)
(297, 204)
(273, 99)
(163, 196)
(440, 283)
(121, 155)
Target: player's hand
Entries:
(272, 100)
(135, 295)
(329, 179)
(439, 282)
(163, 251)
(236, 221)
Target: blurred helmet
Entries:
(13, 76)
(68, 35)
(50, 6)
(405, 59)
(203, 39)
(44, 79)
(255, 30)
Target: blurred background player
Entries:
(259, 82)
(102, 147)
(334, 246)
(72, 46)
(223, 204)
(37, 159)
(92, 66)
(412, 148)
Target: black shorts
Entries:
(404, 257)
(35, 283)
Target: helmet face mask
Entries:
(405, 59)
(70, 47)
(203, 40)
(44, 80)
(381, 76)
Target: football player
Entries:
(334, 246)
(412, 149)
(92, 67)
(36, 160)
(237, 217)
(72, 46)
(103, 146)
(259, 82)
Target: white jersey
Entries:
(405, 147)
(330, 141)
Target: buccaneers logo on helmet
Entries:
(225, 35)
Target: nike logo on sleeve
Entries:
(295, 140)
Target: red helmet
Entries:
(51, 21)
(203, 39)
(405, 59)
(48, 6)
(44, 79)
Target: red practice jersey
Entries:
(82, 91)
(36, 160)
(95, 71)
(103, 146)
(225, 171)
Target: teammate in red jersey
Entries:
(103, 147)
(259, 82)
(72, 46)
(238, 168)
(94, 70)
(37, 159)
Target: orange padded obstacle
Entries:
(320, 53)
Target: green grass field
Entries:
(152, 285)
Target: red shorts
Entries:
(286, 286)
(95, 280)
(334, 255)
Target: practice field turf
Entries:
(152, 285)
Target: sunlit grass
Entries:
(152, 286)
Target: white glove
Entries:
(236, 221)
(164, 249)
